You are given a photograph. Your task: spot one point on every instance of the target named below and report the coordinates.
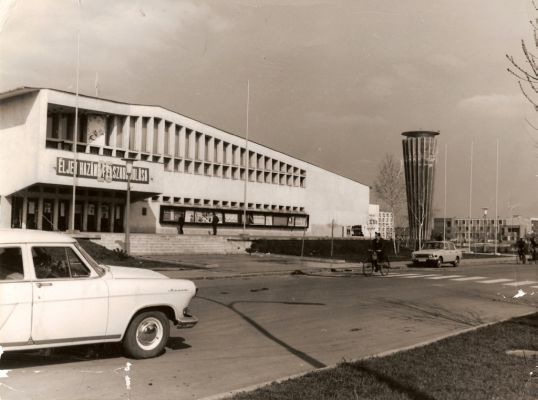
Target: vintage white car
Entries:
(437, 253)
(52, 293)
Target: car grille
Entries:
(421, 256)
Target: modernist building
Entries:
(419, 152)
(480, 230)
(182, 166)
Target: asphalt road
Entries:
(257, 329)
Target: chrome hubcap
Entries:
(149, 333)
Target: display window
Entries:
(204, 216)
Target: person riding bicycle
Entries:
(378, 247)
(521, 249)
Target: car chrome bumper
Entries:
(186, 322)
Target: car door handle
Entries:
(41, 284)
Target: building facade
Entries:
(482, 230)
(419, 153)
(386, 224)
(181, 166)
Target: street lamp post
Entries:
(128, 172)
(485, 210)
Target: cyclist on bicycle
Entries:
(378, 247)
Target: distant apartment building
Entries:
(379, 221)
(481, 229)
(386, 224)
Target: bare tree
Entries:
(526, 71)
(389, 186)
(419, 214)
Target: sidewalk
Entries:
(197, 266)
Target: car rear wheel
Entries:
(146, 335)
(456, 262)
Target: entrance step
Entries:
(155, 243)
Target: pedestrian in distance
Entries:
(180, 223)
(214, 223)
(521, 250)
(533, 244)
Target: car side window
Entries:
(58, 262)
(11, 266)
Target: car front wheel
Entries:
(146, 335)
(456, 262)
(439, 262)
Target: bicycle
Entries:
(521, 256)
(373, 264)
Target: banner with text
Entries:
(103, 171)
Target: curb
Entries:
(229, 394)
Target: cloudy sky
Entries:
(332, 82)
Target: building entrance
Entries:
(63, 215)
(49, 208)
(47, 220)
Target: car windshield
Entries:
(432, 246)
(95, 265)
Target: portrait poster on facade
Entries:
(168, 215)
(300, 221)
(31, 207)
(96, 130)
(62, 210)
(280, 220)
(231, 218)
(258, 219)
(291, 221)
(189, 216)
(203, 217)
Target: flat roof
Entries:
(418, 134)
(28, 89)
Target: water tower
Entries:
(419, 153)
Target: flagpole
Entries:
(75, 140)
(470, 197)
(444, 220)
(246, 163)
(496, 197)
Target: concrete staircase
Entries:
(153, 243)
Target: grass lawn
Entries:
(470, 366)
(108, 257)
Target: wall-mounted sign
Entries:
(103, 171)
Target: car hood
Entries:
(426, 252)
(134, 273)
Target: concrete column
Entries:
(150, 131)
(113, 120)
(160, 137)
(112, 213)
(85, 216)
(39, 213)
(192, 144)
(98, 216)
(180, 138)
(55, 213)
